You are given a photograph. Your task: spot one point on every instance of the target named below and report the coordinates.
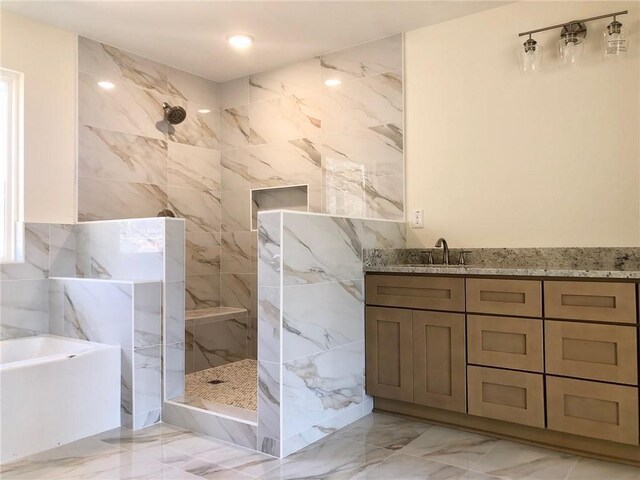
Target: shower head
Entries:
(174, 115)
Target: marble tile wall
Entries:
(132, 163)
(24, 309)
(127, 314)
(285, 127)
(211, 343)
(311, 324)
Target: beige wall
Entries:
(496, 158)
(47, 57)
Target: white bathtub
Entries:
(55, 390)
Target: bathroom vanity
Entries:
(543, 355)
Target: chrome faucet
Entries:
(445, 250)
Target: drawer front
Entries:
(590, 350)
(508, 342)
(504, 297)
(516, 397)
(431, 293)
(595, 301)
(592, 409)
(389, 353)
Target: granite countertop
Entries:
(611, 263)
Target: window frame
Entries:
(12, 168)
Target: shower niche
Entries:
(278, 198)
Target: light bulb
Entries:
(530, 57)
(614, 40)
(571, 49)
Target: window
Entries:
(11, 140)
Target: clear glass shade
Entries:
(570, 50)
(530, 60)
(615, 44)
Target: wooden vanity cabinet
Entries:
(548, 361)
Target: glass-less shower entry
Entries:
(219, 375)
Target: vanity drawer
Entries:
(591, 350)
(430, 293)
(504, 297)
(592, 409)
(595, 301)
(516, 397)
(508, 342)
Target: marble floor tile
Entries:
(61, 462)
(399, 466)
(591, 469)
(384, 431)
(213, 471)
(452, 447)
(519, 461)
(334, 458)
(166, 452)
(253, 464)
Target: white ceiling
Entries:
(190, 35)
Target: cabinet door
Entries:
(389, 362)
(593, 409)
(439, 360)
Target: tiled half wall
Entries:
(311, 324)
(113, 282)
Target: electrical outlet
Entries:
(417, 220)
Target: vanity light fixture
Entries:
(614, 40)
(530, 57)
(571, 43)
(240, 40)
(106, 85)
(332, 82)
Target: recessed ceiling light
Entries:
(204, 110)
(332, 82)
(240, 40)
(106, 85)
